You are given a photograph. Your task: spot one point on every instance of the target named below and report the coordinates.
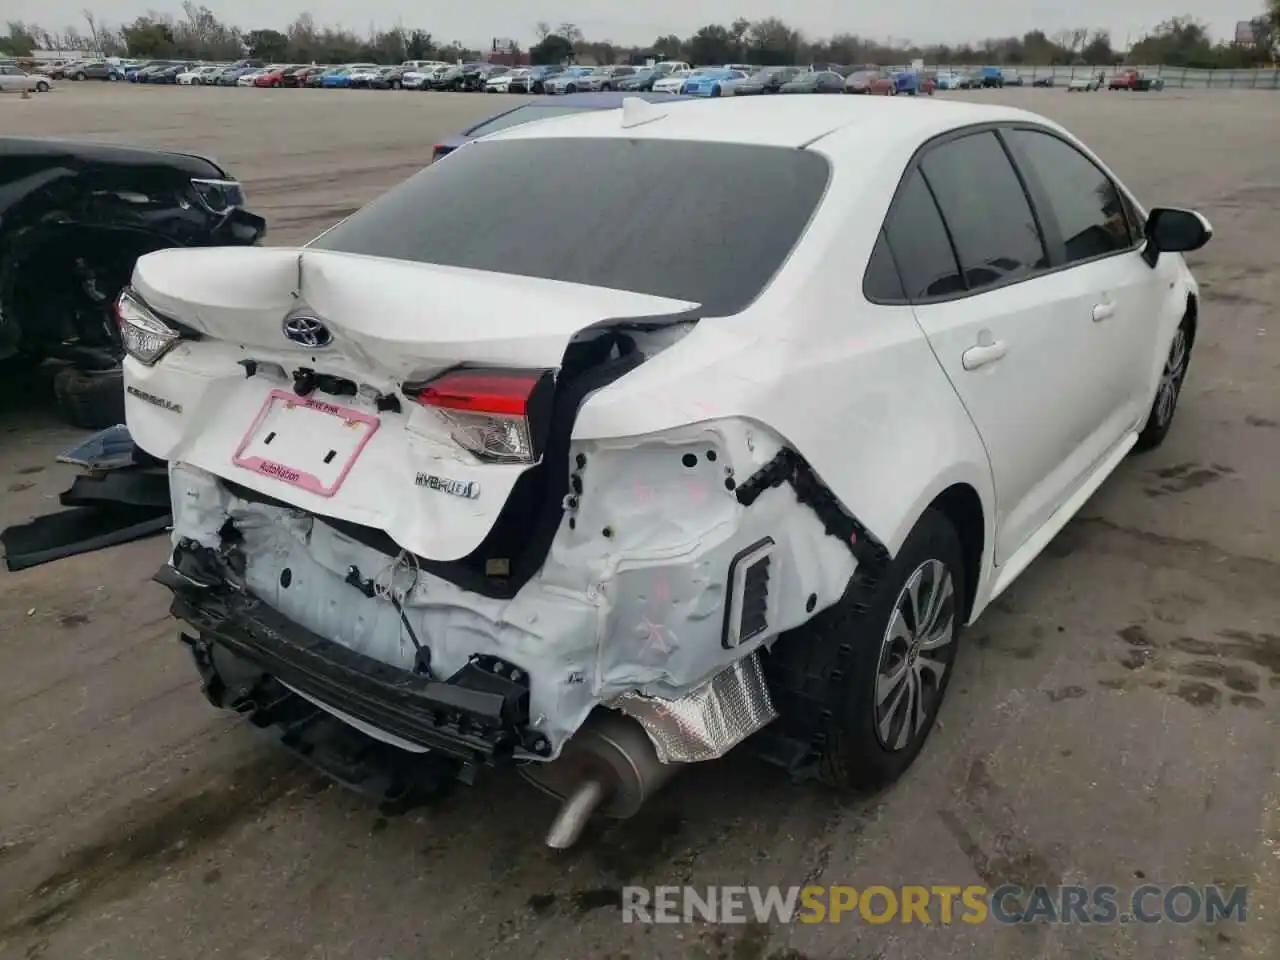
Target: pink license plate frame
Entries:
(292, 475)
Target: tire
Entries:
(77, 77)
(571, 89)
(716, 91)
(825, 675)
(1169, 389)
(92, 401)
(42, 87)
(396, 84)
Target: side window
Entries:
(1137, 222)
(985, 209)
(882, 284)
(1090, 211)
(916, 235)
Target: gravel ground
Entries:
(1113, 720)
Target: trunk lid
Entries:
(403, 319)
(347, 456)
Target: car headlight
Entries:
(219, 197)
(144, 336)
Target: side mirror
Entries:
(1174, 230)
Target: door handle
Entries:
(983, 353)
(1102, 311)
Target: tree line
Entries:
(197, 34)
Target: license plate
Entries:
(305, 442)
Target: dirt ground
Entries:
(1113, 720)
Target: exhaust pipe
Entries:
(609, 766)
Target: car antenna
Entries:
(636, 112)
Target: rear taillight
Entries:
(500, 416)
(144, 336)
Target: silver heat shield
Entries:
(710, 720)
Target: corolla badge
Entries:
(307, 331)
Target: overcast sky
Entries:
(639, 21)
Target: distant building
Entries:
(507, 53)
(48, 56)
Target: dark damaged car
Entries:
(73, 219)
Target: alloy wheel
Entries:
(1175, 369)
(914, 655)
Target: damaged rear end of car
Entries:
(395, 513)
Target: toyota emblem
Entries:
(307, 331)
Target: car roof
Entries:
(786, 123)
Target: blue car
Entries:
(542, 109)
(906, 82)
(342, 76)
(711, 83)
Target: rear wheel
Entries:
(42, 87)
(396, 84)
(863, 680)
(93, 400)
(715, 91)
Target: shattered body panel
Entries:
(74, 217)
(630, 601)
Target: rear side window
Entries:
(1090, 212)
(689, 220)
(882, 283)
(995, 233)
(915, 233)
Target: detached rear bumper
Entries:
(480, 715)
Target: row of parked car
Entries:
(672, 76)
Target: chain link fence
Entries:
(1183, 78)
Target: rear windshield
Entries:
(689, 220)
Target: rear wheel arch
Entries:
(1192, 315)
(962, 507)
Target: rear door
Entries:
(1033, 369)
(1093, 232)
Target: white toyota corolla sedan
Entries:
(608, 509)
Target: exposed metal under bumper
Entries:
(711, 720)
(475, 717)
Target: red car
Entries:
(297, 76)
(885, 86)
(272, 78)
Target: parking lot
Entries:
(1114, 719)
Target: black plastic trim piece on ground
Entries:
(78, 530)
